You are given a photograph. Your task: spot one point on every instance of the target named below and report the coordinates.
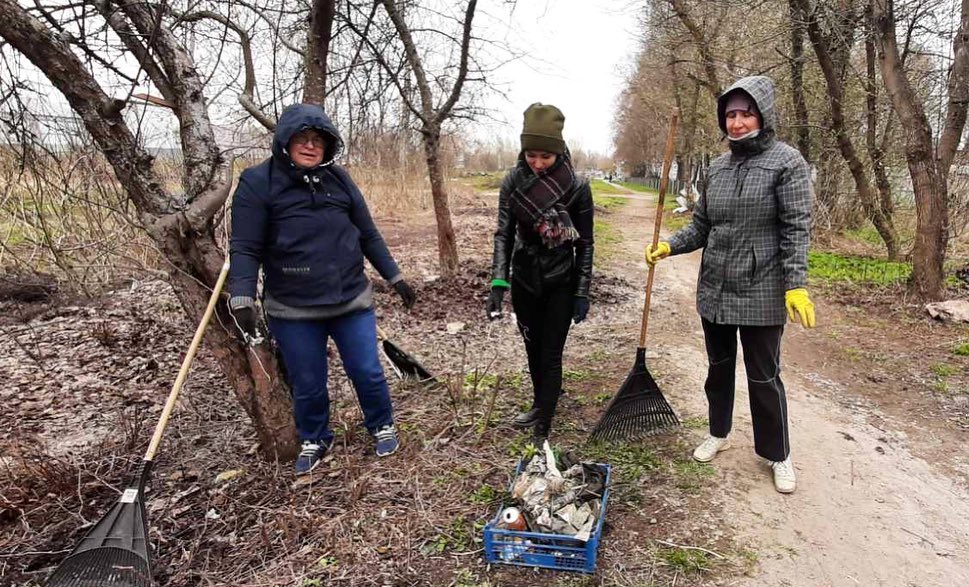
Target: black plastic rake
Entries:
(115, 552)
(403, 364)
(639, 408)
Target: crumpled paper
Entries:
(566, 503)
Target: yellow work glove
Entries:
(654, 254)
(797, 301)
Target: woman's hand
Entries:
(798, 303)
(580, 309)
(406, 294)
(494, 302)
(655, 253)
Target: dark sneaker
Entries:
(387, 441)
(310, 456)
(526, 419)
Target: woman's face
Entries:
(741, 122)
(539, 161)
(306, 148)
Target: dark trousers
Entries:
(303, 346)
(768, 402)
(544, 322)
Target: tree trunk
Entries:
(446, 244)
(875, 151)
(317, 49)
(929, 184)
(432, 116)
(802, 122)
(883, 223)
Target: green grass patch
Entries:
(578, 375)
(638, 187)
(867, 234)
(687, 561)
(488, 495)
(697, 423)
(607, 240)
(674, 222)
(609, 203)
(834, 267)
(600, 187)
(961, 350)
(944, 370)
(461, 536)
(691, 475)
(601, 398)
(631, 461)
(486, 182)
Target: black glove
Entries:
(245, 321)
(580, 309)
(406, 294)
(494, 302)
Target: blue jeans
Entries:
(303, 346)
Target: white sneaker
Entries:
(709, 448)
(784, 480)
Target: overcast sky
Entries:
(576, 53)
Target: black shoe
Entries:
(540, 433)
(526, 419)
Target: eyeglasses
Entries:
(309, 138)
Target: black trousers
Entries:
(544, 322)
(768, 402)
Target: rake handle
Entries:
(186, 364)
(664, 181)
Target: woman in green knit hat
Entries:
(543, 253)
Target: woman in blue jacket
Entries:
(304, 221)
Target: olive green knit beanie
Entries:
(542, 130)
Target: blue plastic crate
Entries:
(538, 549)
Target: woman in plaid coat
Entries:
(753, 222)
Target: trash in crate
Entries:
(556, 519)
(557, 502)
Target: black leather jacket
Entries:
(519, 250)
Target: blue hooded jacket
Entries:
(310, 229)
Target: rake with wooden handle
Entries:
(639, 408)
(115, 552)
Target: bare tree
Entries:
(928, 164)
(180, 224)
(833, 50)
(438, 96)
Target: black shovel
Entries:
(404, 365)
(115, 552)
(639, 409)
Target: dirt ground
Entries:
(877, 435)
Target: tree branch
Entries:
(245, 98)
(445, 109)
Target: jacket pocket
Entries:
(556, 265)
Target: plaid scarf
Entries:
(536, 200)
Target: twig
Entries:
(701, 549)
(917, 536)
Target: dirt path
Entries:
(867, 511)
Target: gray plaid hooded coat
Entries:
(753, 220)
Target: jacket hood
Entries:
(761, 90)
(303, 116)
